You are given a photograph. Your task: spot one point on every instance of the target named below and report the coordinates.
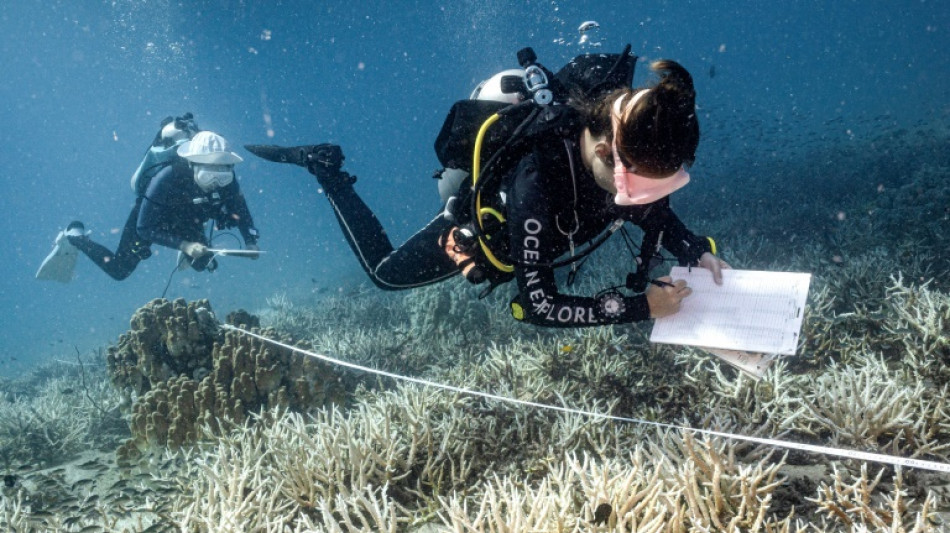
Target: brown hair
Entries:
(661, 132)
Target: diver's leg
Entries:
(419, 261)
(131, 250)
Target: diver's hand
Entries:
(714, 265)
(193, 250)
(665, 300)
(253, 248)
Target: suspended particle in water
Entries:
(588, 31)
(587, 25)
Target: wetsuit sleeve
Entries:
(162, 196)
(674, 236)
(536, 240)
(238, 212)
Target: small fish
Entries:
(712, 71)
(602, 514)
(83, 483)
(567, 348)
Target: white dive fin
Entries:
(184, 262)
(60, 264)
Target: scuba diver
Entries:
(185, 179)
(561, 162)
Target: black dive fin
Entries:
(296, 155)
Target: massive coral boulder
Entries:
(184, 373)
(165, 340)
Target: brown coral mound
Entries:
(182, 372)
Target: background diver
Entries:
(615, 156)
(186, 178)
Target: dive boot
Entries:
(74, 231)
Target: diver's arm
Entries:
(240, 213)
(160, 199)
(534, 235)
(680, 241)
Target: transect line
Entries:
(838, 452)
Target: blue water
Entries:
(86, 84)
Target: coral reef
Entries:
(870, 374)
(44, 420)
(183, 372)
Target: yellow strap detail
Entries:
(712, 245)
(517, 311)
(477, 153)
(494, 260)
(493, 212)
(476, 169)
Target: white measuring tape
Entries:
(838, 452)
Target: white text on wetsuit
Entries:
(540, 301)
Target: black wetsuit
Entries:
(173, 210)
(545, 190)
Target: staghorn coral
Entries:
(227, 376)
(692, 485)
(869, 407)
(56, 423)
(856, 505)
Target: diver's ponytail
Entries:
(675, 81)
(661, 132)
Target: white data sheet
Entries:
(752, 311)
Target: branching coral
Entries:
(922, 319)
(870, 407)
(48, 427)
(858, 505)
(231, 489)
(694, 487)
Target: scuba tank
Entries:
(484, 136)
(163, 150)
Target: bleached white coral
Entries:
(870, 407)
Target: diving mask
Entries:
(210, 177)
(634, 188)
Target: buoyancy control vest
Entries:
(163, 150)
(486, 139)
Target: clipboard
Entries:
(750, 320)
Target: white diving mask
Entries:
(211, 177)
